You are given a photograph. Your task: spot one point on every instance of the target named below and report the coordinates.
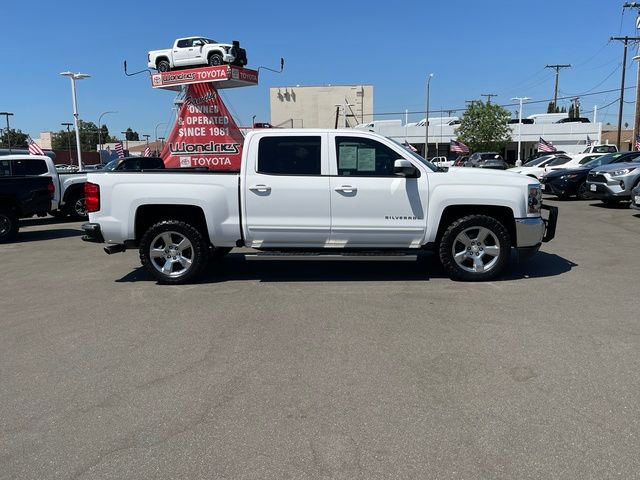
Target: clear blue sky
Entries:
(472, 47)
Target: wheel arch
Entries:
(148, 215)
(73, 190)
(501, 213)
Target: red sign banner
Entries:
(225, 76)
(205, 134)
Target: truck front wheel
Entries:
(8, 225)
(173, 252)
(215, 59)
(164, 66)
(475, 248)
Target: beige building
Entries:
(317, 107)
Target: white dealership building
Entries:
(570, 137)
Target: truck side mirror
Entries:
(404, 168)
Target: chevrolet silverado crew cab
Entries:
(196, 51)
(319, 191)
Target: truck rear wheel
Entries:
(164, 66)
(215, 59)
(173, 252)
(76, 207)
(475, 248)
(8, 225)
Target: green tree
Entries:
(131, 135)
(88, 137)
(18, 139)
(483, 127)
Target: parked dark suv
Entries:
(487, 160)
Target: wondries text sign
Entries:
(225, 76)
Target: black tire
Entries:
(76, 207)
(168, 253)
(583, 192)
(215, 59)
(9, 225)
(462, 265)
(163, 66)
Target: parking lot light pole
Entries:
(155, 130)
(76, 76)
(7, 115)
(426, 119)
(520, 99)
(100, 133)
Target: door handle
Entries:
(260, 188)
(346, 189)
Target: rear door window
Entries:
(290, 155)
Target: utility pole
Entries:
(68, 125)
(626, 41)
(557, 68)
(8, 114)
(488, 95)
(636, 123)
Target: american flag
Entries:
(458, 147)
(410, 147)
(589, 141)
(34, 148)
(638, 142)
(147, 152)
(120, 150)
(544, 146)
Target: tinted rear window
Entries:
(22, 167)
(289, 155)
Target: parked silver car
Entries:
(613, 183)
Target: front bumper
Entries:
(92, 232)
(559, 187)
(635, 199)
(531, 232)
(615, 187)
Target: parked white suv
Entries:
(194, 51)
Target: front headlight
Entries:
(617, 173)
(534, 201)
(569, 176)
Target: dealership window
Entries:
(289, 155)
(364, 157)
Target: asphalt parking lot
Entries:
(291, 369)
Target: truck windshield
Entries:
(208, 40)
(430, 165)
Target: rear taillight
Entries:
(92, 197)
(52, 189)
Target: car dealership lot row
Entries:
(292, 369)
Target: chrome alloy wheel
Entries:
(476, 249)
(80, 208)
(171, 253)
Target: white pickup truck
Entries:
(196, 51)
(68, 197)
(322, 191)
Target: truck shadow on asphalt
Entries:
(235, 267)
(45, 234)
(611, 206)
